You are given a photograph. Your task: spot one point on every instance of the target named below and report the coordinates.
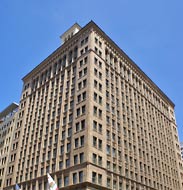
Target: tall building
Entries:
(93, 119)
(8, 145)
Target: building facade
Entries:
(8, 144)
(90, 117)
(181, 147)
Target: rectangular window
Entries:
(100, 128)
(94, 141)
(74, 178)
(67, 163)
(69, 132)
(99, 179)
(60, 165)
(83, 108)
(77, 127)
(68, 147)
(59, 182)
(94, 177)
(82, 124)
(95, 96)
(108, 182)
(100, 144)
(108, 149)
(76, 143)
(80, 176)
(81, 156)
(82, 141)
(75, 159)
(84, 95)
(62, 149)
(94, 125)
(94, 158)
(100, 160)
(78, 112)
(66, 180)
(95, 110)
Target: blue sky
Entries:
(150, 32)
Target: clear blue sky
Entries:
(150, 32)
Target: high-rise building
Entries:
(93, 119)
(8, 144)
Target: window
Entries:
(83, 108)
(85, 71)
(80, 176)
(96, 40)
(62, 149)
(81, 63)
(95, 96)
(69, 132)
(114, 167)
(81, 157)
(80, 74)
(78, 112)
(108, 149)
(82, 141)
(100, 144)
(67, 163)
(40, 186)
(114, 152)
(95, 110)
(94, 141)
(82, 124)
(100, 100)
(100, 113)
(120, 185)
(95, 71)
(100, 128)
(100, 44)
(45, 185)
(74, 178)
(108, 165)
(100, 160)
(94, 158)
(79, 86)
(108, 120)
(84, 95)
(75, 159)
(94, 176)
(94, 125)
(66, 180)
(59, 182)
(77, 126)
(84, 83)
(68, 147)
(114, 184)
(79, 98)
(76, 143)
(100, 75)
(60, 165)
(99, 179)
(108, 182)
(42, 171)
(100, 87)
(95, 83)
